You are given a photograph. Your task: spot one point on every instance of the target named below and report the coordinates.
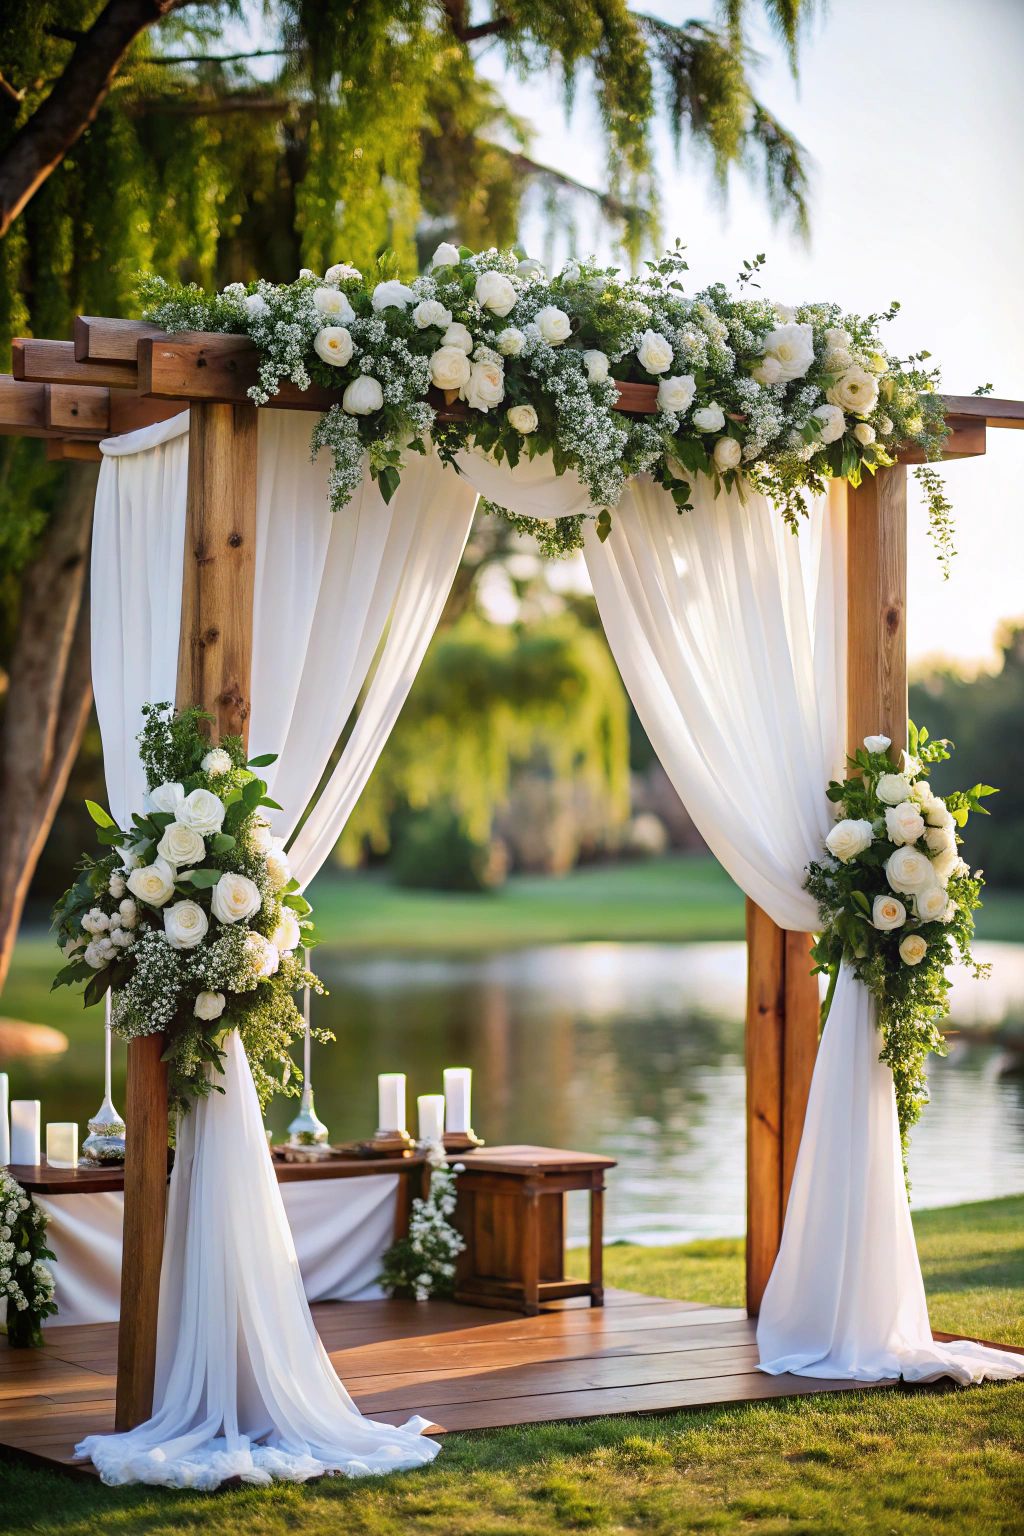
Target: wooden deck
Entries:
(462, 1367)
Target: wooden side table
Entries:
(511, 1213)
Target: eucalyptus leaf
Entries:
(99, 815)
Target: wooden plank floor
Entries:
(462, 1367)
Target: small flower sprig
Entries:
(26, 1280)
(422, 1264)
(780, 397)
(897, 901)
(193, 920)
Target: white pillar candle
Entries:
(25, 1122)
(391, 1101)
(5, 1124)
(62, 1144)
(431, 1109)
(458, 1083)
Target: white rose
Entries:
(122, 937)
(833, 423)
(261, 837)
(710, 418)
(885, 426)
(768, 371)
(96, 921)
(922, 793)
(913, 949)
(938, 839)
(255, 304)
(553, 324)
(848, 838)
(531, 267)
(835, 336)
(908, 871)
(938, 814)
(485, 387)
(166, 798)
(94, 956)
(152, 883)
(185, 924)
(523, 418)
(287, 934)
(930, 904)
(216, 762)
(864, 432)
(116, 885)
(449, 368)
(457, 335)
(856, 390)
(128, 913)
(265, 954)
(363, 396)
(307, 272)
(334, 345)
(393, 295)
(786, 313)
(209, 1005)
(728, 453)
(654, 352)
(510, 342)
(333, 305)
(495, 292)
(877, 743)
(950, 912)
(837, 360)
(947, 862)
(180, 845)
(912, 766)
(792, 347)
(342, 273)
(596, 364)
(431, 312)
(893, 788)
(234, 897)
(904, 823)
(888, 913)
(278, 868)
(676, 393)
(446, 255)
(203, 811)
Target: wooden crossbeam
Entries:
(22, 408)
(77, 449)
(99, 340)
(53, 362)
(217, 369)
(76, 408)
(995, 413)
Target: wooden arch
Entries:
(118, 375)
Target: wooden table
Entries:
(511, 1214)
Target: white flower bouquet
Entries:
(26, 1280)
(897, 901)
(193, 920)
(785, 397)
(422, 1264)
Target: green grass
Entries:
(909, 1462)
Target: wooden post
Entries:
(765, 1051)
(876, 667)
(214, 671)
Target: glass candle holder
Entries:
(62, 1144)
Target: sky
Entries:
(913, 113)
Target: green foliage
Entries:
(422, 1264)
(29, 489)
(433, 851)
(26, 1280)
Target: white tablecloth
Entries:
(341, 1228)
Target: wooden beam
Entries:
(765, 1036)
(129, 412)
(876, 700)
(73, 449)
(216, 368)
(77, 408)
(995, 413)
(53, 362)
(99, 340)
(22, 408)
(145, 1190)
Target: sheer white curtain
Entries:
(243, 1385)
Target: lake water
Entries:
(633, 1050)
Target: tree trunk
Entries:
(48, 697)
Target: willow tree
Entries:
(129, 139)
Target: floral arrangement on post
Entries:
(896, 900)
(422, 1264)
(25, 1280)
(193, 919)
(783, 396)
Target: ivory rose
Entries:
(913, 949)
(893, 788)
(523, 418)
(888, 913)
(343, 272)
(654, 352)
(530, 267)
(947, 862)
(264, 953)
(393, 295)
(234, 898)
(166, 798)
(553, 324)
(180, 845)
(485, 387)
(835, 336)
(864, 432)
(446, 255)
(938, 814)
(676, 393)
(877, 743)
(597, 365)
(792, 347)
(856, 390)
(833, 423)
(128, 913)
(848, 838)
(334, 345)
(930, 904)
(333, 305)
(203, 811)
(116, 885)
(431, 312)
(287, 934)
(216, 762)
(260, 836)
(363, 396)
(278, 868)
(728, 453)
(510, 342)
(904, 823)
(209, 1005)
(458, 335)
(185, 924)
(908, 871)
(449, 368)
(939, 839)
(494, 291)
(152, 883)
(768, 371)
(710, 418)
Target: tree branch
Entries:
(459, 26)
(40, 146)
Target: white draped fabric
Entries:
(243, 1385)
